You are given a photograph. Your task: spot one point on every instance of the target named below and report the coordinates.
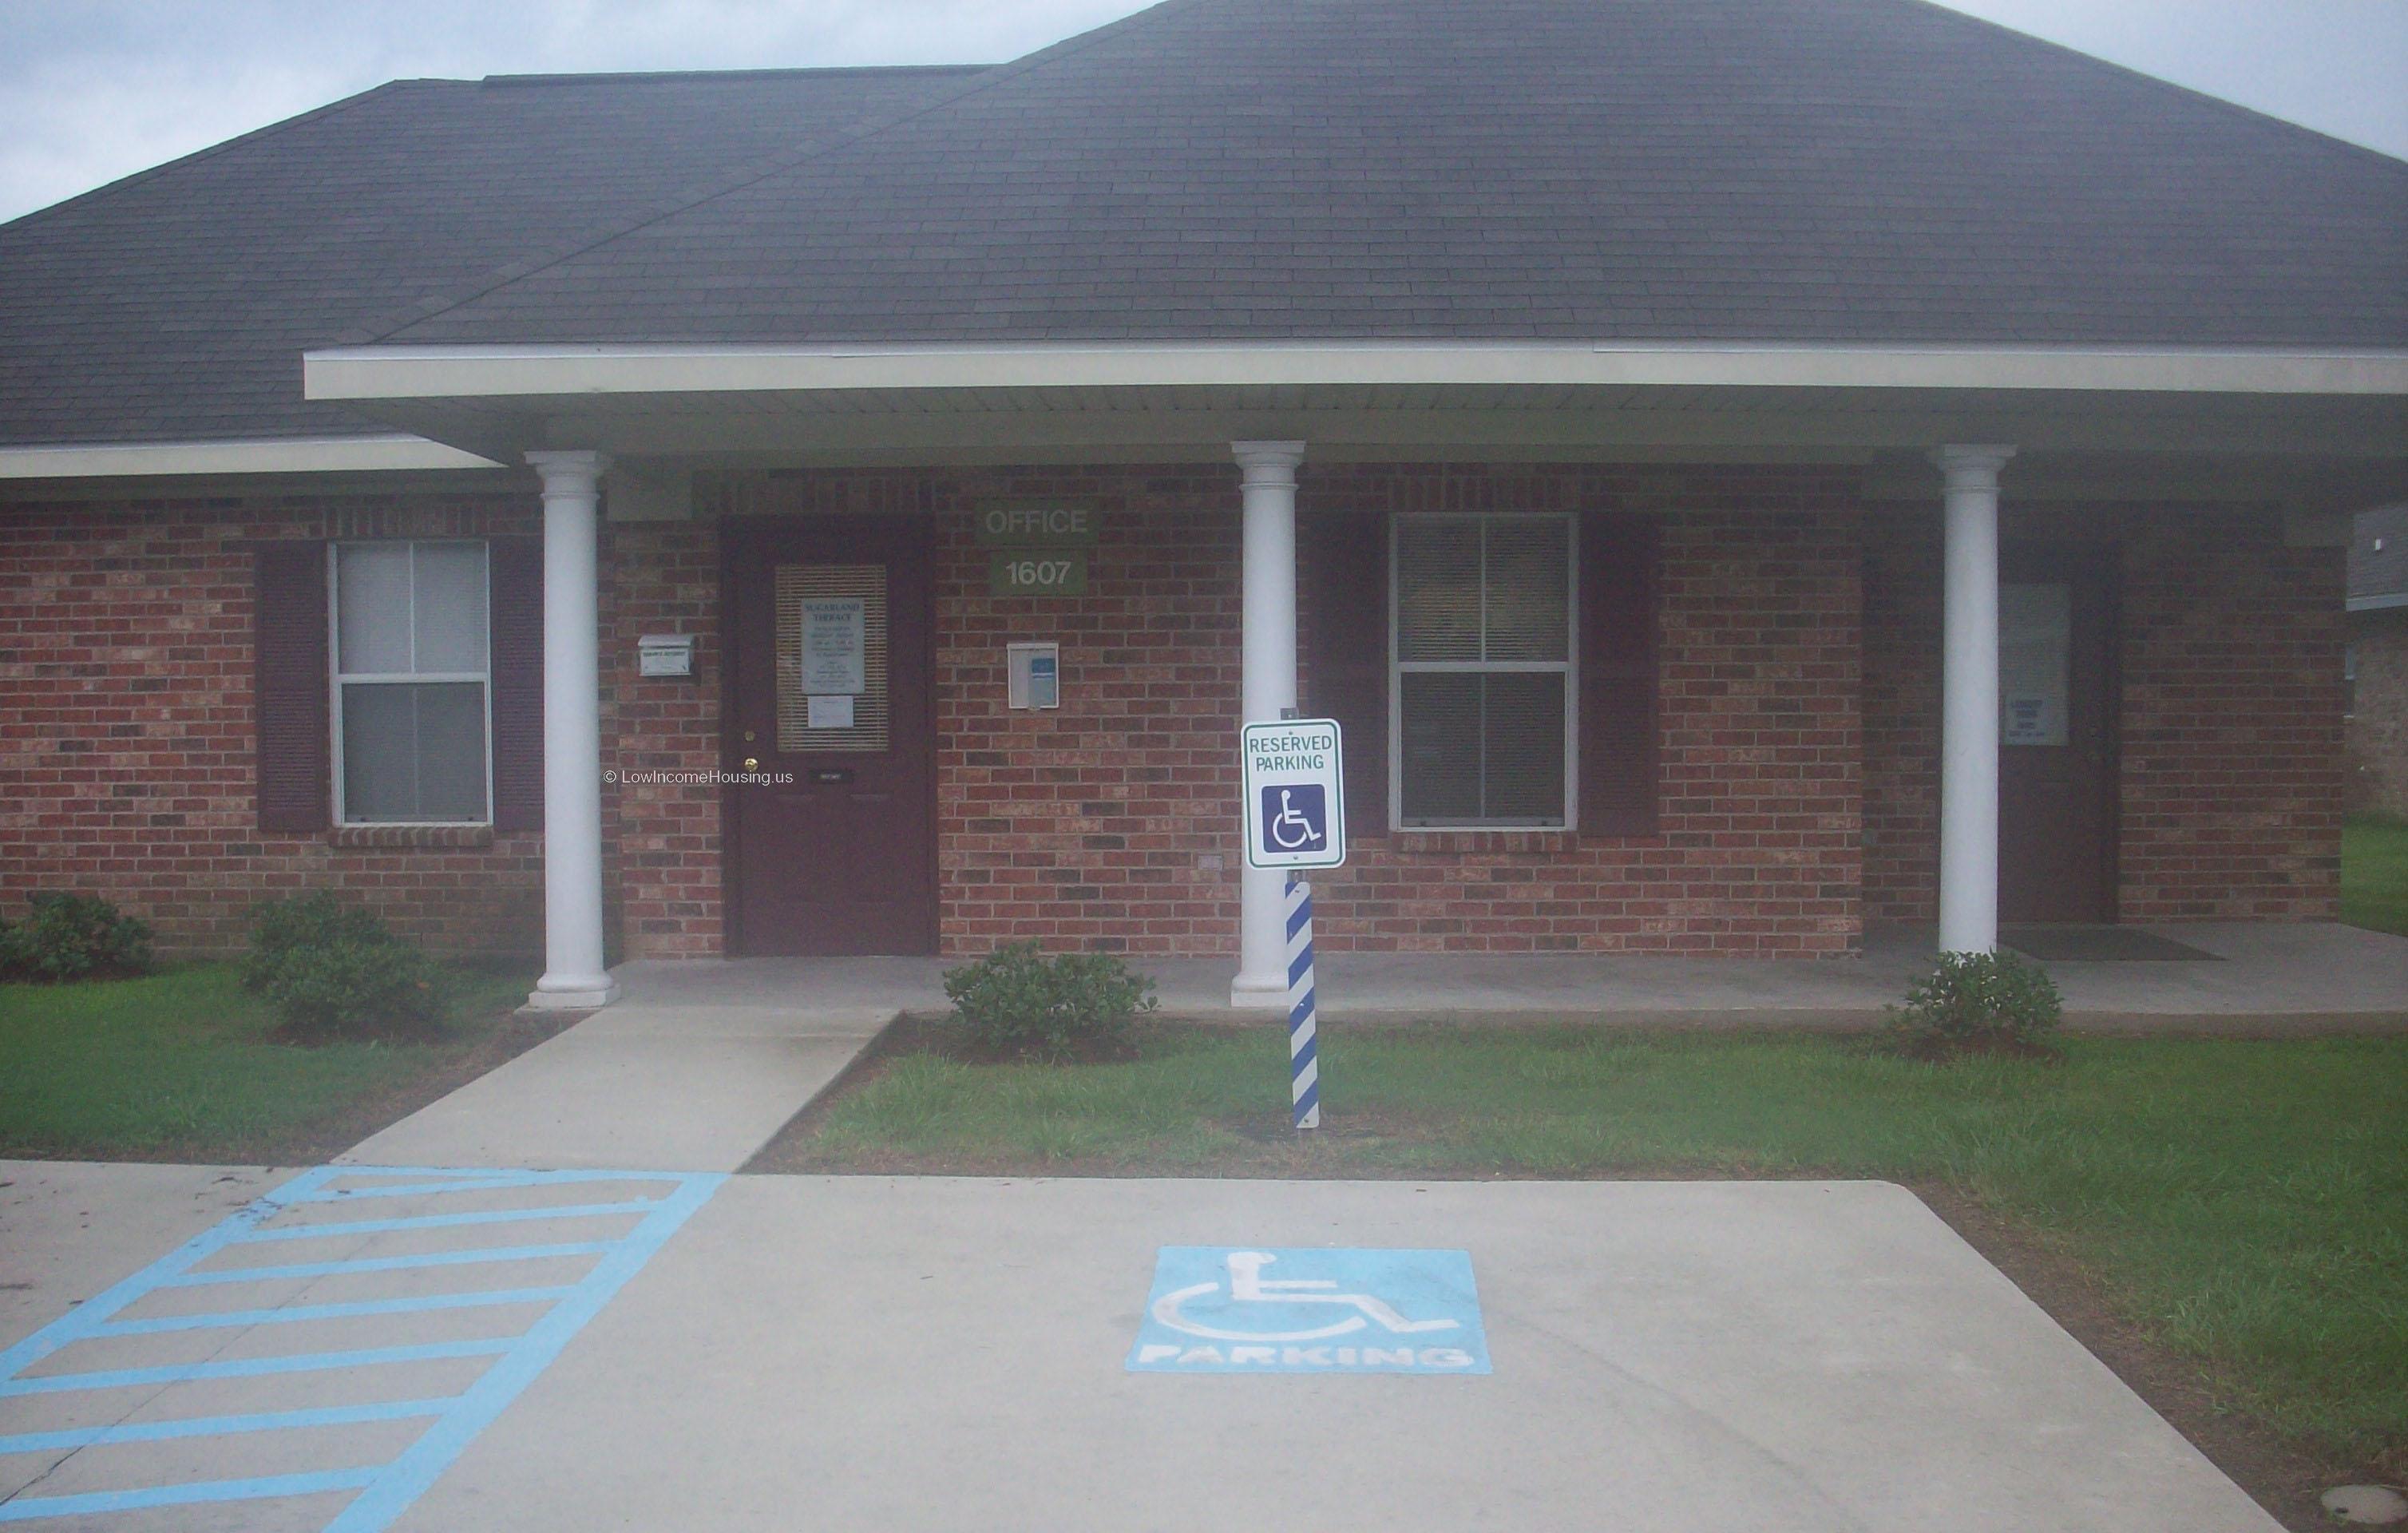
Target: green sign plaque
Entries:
(1034, 526)
(1036, 572)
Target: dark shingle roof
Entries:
(1778, 170)
(1771, 170)
(175, 304)
(2379, 571)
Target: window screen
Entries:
(411, 677)
(1483, 674)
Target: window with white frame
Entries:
(412, 684)
(1481, 690)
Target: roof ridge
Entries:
(2160, 81)
(392, 323)
(314, 114)
(647, 77)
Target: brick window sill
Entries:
(411, 837)
(1448, 842)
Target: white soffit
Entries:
(280, 455)
(415, 372)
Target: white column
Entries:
(1969, 719)
(1267, 692)
(573, 975)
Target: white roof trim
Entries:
(280, 455)
(429, 372)
(2378, 604)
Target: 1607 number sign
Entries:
(1027, 572)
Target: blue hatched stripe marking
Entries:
(385, 1490)
(27, 1508)
(388, 1264)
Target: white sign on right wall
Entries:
(2035, 661)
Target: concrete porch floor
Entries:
(2271, 978)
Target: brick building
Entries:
(2377, 665)
(1740, 473)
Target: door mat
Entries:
(2101, 945)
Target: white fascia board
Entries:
(432, 372)
(2379, 604)
(280, 455)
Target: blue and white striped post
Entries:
(1304, 1059)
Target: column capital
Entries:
(1269, 463)
(1972, 465)
(569, 471)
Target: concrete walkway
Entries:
(684, 1074)
(2270, 977)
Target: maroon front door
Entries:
(830, 688)
(2056, 732)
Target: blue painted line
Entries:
(26, 1508)
(80, 1321)
(253, 1367)
(264, 1421)
(389, 1264)
(296, 1312)
(471, 1184)
(446, 1221)
(418, 1464)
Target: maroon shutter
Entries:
(515, 582)
(1346, 573)
(290, 685)
(1618, 727)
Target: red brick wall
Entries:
(126, 684)
(1107, 823)
(2229, 650)
(1760, 839)
(2232, 773)
(660, 741)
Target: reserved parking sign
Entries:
(1295, 793)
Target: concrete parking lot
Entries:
(938, 1353)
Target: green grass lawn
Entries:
(179, 1066)
(2245, 1201)
(2374, 873)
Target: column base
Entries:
(572, 993)
(1259, 995)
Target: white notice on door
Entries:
(2035, 653)
(830, 712)
(836, 634)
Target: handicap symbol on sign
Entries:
(1214, 1310)
(1296, 818)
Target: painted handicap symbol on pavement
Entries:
(1238, 1309)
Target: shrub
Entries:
(1017, 1003)
(330, 968)
(308, 921)
(1979, 1002)
(74, 936)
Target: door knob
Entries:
(751, 763)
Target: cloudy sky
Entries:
(92, 90)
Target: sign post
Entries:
(1295, 791)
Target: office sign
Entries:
(1036, 527)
